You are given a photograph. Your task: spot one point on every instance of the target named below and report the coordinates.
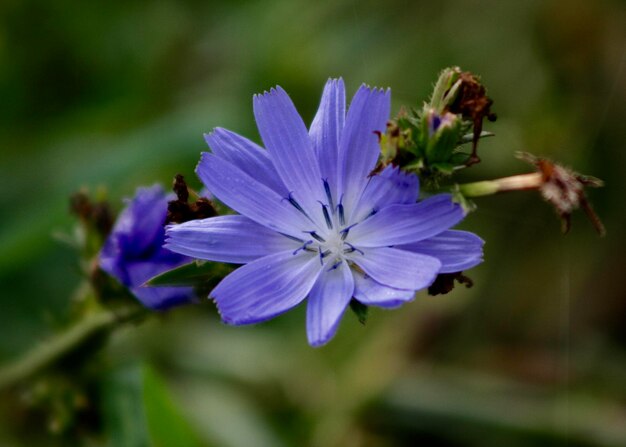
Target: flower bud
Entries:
(446, 89)
(429, 141)
(443, 133)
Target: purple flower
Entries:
(312, 222)
(133, 252)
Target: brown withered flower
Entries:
(565, 190)
(473, 104)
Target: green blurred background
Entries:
(118, 94)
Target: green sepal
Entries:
(468, 138)
(416, 167)
(388, 147)
(458, 158)
(406, 120)
(195, 273)
(421, 137)
(360, 310)
(443, 168)
(446, 89)
(442, 144)
(458, 197)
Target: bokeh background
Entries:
(113, 95)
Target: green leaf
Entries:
(166, 424)
(138, 411)
(360, 310)
(122, 408)
(192, 274)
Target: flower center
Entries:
(331, 243)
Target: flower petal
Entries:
(390, 187)
(247, 156)
(327, 302)
(140, 225)
(358, 147)
(399, 268)
(266, 287)
(235, 239)
(290, 149)
(373, 293)
(326, 128)
(249, 197)
(457, 250)
(402, 224)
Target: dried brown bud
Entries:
(80, 205)
(180, 210)
(98, 214)
(180, 188)
(103, 218)
(473, 104)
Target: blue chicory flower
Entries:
(313, 222)
(133, 252)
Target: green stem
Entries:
(50, 351)
(478, 189)
(522, 182)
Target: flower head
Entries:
(133, 252)
(312, 222)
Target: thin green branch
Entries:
(54, 349)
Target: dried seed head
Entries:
(565, 190)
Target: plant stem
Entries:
(521, 182)
(52, 350)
